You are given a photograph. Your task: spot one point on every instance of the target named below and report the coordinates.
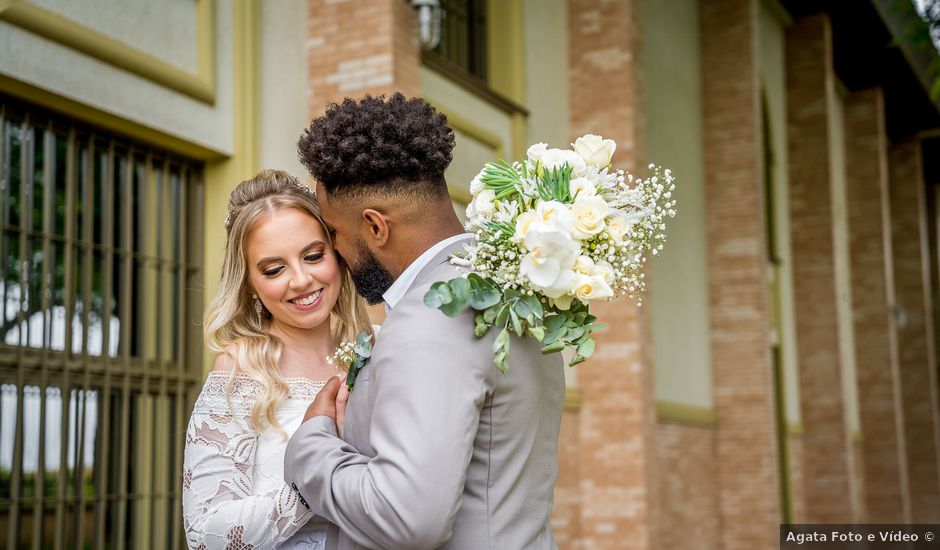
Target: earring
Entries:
(258, 309)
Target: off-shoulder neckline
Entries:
(243, 376)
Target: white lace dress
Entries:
(234, 495)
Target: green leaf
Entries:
(555, 335)
(575, 360)
(438, 295)
(516, 323)
(460, 288)
(554, 322)
(586, 349)
(501, 339)
(554, 347)
(483, 293)
(574, 333)
(363, 345)
(503, 316)
(490, 314)
(537, 332)
(481, 329)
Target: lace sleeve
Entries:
(220, 508)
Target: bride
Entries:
(285, 301)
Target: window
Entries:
(463, 36)
(99, 338)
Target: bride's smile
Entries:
(292, 269)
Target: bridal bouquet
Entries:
(553, 233)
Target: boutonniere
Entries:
(352, 356)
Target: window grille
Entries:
(463, 36)
(100, 356)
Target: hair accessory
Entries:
(305, 189)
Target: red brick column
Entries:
(876, 348)
(915, 328)
(618, 450)
(359, 47)
(810, 81)
(737, 261)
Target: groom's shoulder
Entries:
(414, 311)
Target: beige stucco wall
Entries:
(165, 29)
(842, 262)
(678, 299)
(66, 72)
(546, 72)
(284, 84)
(773, 80)
(483, 131)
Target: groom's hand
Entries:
(324, 404)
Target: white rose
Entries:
(582, 187)
(595, 150)
(535, 152)
(556, 158)
(551, 252)
(588, 214)
(616, 228)
(554, 215)
(524, 222)
(605, 271)
(592, 287)
(563, 286)
(483, 203)
(476, 184)
(584, 265)
(563, 302)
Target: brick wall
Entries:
(826, 474)
(915, 329)
(358, 47)
(746, 447)
(566, 511)
(617, 418)
(883, 466)
(688, 488)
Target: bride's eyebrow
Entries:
(303, 251)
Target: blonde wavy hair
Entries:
(231, 322)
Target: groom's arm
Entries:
(427, 407)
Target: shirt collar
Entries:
(403, 283)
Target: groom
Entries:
(439, 449)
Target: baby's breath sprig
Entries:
(350, 357)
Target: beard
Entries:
(371, 278)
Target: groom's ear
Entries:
(376, 227)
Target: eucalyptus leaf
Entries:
(503, 316)
(574, 333)
(554, 322)
(537, 332)
(483, 294)
(460, 288)
(490, 314)
(516, 323)
(502, 340)
(586, 349)
(433, 297)
(480, 330)
(575, 360)
(554, 347)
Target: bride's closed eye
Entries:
(276, 270)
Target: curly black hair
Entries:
(394, 144)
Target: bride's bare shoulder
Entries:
(225, 361)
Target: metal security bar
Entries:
(100, 259)
(463, 36)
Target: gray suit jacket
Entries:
(441, 450)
